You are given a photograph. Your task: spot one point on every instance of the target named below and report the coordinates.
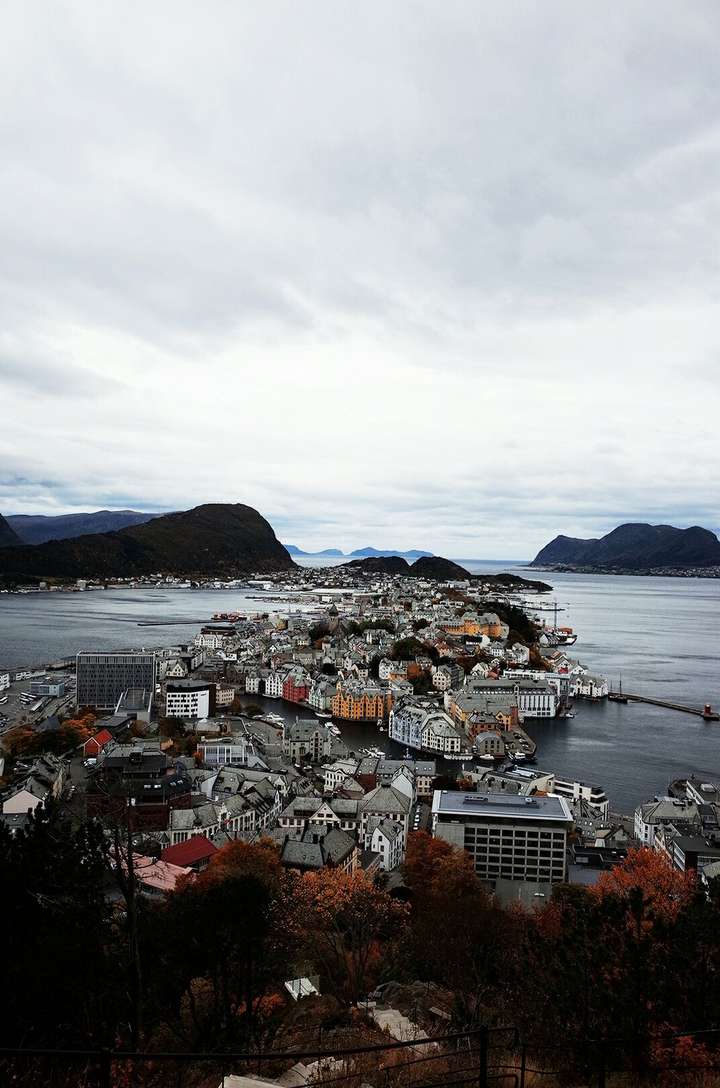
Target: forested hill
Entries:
(634, 547)
(217, 539)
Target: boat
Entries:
(323, 714)
(486, 757)
(617, 696)
(558, 636)
(518, 757)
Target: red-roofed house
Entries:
(95, 745)
(157, 877)
(194, 853)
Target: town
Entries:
(362, 738)
(404, 701)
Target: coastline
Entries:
(645, 572)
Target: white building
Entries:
(232, 751)
(651, 817)
(189, 699)
(386, 839)
(4, 681)
(385, 802)
(441, 677)
(588, 686)
(334, 774)
(274, 683)
(439, 734)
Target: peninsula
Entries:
(636, 548)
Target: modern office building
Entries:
(510, 838)
(103, 677)
(189, 699)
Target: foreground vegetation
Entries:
(629, 968)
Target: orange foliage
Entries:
(260, 860)
(435, 866)
(665, 890)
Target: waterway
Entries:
(661, 634)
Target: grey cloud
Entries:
(443, 269)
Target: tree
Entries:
(171, 727)
(348, 918)
(234, 925)
(463, 950)
(665, 891)
(252, 710)
(63, 978)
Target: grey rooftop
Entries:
(478, 806)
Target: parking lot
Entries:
(14, 709)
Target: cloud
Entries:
(415, 275)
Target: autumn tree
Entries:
(234, 925)
(456, 931)
(349, 919)
(664, 891)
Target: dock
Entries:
(706, 712)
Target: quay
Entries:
(706, 712)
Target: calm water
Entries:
(662, 634)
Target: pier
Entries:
(706, 712)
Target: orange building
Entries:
(361, 703)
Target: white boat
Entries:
(518, 757)
(323, 714)
(486, 758)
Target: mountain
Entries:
(359, 553)
(442, 570)
(39, 528)
(635, 546)
(217, 539)
(381, 564)
(329, 552)
(433, 566)
(365, 553)
(8, 536)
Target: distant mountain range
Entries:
(361, 553)
(39, 528)
(634, 547)
(214, 540)
(8, 536)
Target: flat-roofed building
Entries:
(103, 677)
(511, 838)
(189, 698)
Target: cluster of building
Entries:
(429, 664)
(684, 826)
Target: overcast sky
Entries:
(441, 275)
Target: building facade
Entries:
(103, 677)
(513, 838)
(189, 699)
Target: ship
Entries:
(558, 636)
(617, 696)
